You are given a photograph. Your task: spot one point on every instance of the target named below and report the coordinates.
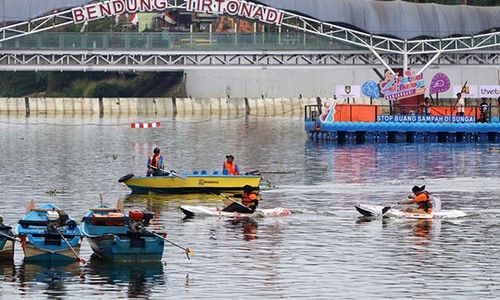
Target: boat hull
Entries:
(375, 211)
(191, 184)
(191, 211)
(6, 249)
(34, 253)
(112, 247)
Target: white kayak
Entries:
(368, 210)
(190, 211)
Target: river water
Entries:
(323, 251)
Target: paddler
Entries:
(420, 197)
(230, 166)
(249, 199)
(155, 164)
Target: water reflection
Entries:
(140, 278)
(53, 274)
(248, 227)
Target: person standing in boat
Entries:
(249, 201)
(155, 164)
(420, 197)
(230, 166)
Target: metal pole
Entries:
(382, 60)
(429, 63)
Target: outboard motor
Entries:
(139, 220)
(53, 220)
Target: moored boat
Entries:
(48, 233)
(200, 182)
(7, 239)
(191, 211)
(119, 237)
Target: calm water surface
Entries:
(322, 251)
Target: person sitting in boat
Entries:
(249, 199)
(230, 166)
(420, 197)
(155, 164)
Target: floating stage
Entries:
(395, 132)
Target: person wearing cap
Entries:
(249, 199)
(230, 166)
(420, 197)
(155, 164)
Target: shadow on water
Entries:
(141, 278)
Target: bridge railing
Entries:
(174, 41)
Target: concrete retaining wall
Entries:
(156, 106)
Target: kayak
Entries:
(191, 211)
(189, 183)
(368, 210)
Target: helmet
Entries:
(247, 189)
(156, 150)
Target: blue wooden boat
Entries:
(119, 237)
(47, 233)
(7, 239)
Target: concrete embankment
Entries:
(155, 106)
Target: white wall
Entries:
(313, 82)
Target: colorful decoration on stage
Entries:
(425, 119)
(328, 115)
(371, 89)
(395, 87)
(440, 83)
(469, 91)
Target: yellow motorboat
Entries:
(196, 182)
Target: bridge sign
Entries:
(99, 10)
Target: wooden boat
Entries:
(189, 183)
(7, 239)
(48, 233)
(119, 237)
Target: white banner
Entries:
(348, 91)
(470, 90)
(489, 91)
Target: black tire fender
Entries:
(126, 177)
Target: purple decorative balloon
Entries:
(440, 83)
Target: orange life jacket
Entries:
(247, 199)
(155, 161)
(423, 201)
(231, 168)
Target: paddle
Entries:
(171, 172)
(385, 209)
(10, 237)
(78, 258)
(231, 199)
(188, 251)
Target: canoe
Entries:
(189, 183)
(41, 232)
(7, 239)
(191, 211)
(119, 237)
(368, 210)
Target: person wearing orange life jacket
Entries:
(155, 164)
(230, 166)
(420, 197)
(249, 199)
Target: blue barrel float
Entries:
(394, 132)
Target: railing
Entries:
(175, 41)
(371, 113)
